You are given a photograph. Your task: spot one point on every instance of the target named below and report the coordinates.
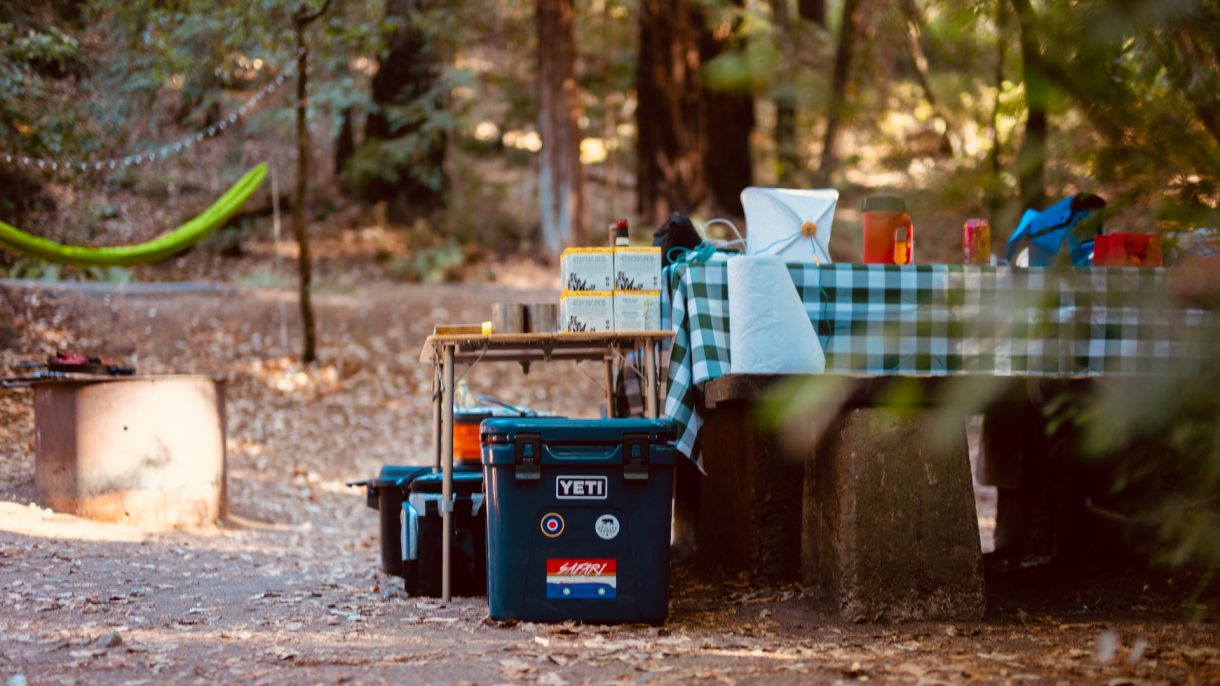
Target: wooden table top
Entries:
(535, 346)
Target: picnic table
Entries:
(446, 351)
(885, 552)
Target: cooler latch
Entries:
(635, 456)
(529, 456)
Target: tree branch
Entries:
(302, 17)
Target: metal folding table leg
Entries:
(436, 409)
(651, 401)
(446, 504)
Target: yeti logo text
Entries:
(580, 487)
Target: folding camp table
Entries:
(445, 351)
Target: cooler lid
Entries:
(464, 483)
(396, 475)
(568, 441)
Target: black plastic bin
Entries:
(422, 529)
(386, 494)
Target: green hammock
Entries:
(155, 250)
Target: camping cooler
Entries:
(423, 528)
(386, 494)
(578, 518)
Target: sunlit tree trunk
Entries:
(838, 90)
(560, 175)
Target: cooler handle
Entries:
(580, 453)
(529, 456)
(635, 456)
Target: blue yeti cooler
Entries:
(578, 514)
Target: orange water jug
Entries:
(889, 234)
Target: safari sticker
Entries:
(581, 579)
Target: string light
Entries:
(166, 150)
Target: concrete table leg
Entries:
(749, 516)
(889, 525)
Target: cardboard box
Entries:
(587, 269)
(586, 311)
(637, 269)
(637, 310)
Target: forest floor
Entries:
(290, 590)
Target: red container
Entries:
(889, 235)
(976, 242)
(467, 451)
(1127, 250)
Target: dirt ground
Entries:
(289, 589)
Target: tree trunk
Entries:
(730, 119)
(787, 154)
(838, 91)
(1031, 161)
(671, 117)
(995, 195)
(812, 10)
(345, 145)
(408, 71)
(301, 19)
(560, 177)
(919, 59)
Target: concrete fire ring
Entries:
(146, 451)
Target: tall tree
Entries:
(915, 22)
(838, 90)
(560, 178)
(671, 124)
(401, 159)
(812, 10)
(787, 157)
(787, 148)
(730, 119)
(694, 142)
(995, 194)
(301, 19)
(1031, 161)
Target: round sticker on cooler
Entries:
(552, 525)
(606, 526)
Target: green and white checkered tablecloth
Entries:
(937, 320)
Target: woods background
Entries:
(453, 132)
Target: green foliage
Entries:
(35, 118)
(428, 121)
(431, 259)
(1146, 81)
